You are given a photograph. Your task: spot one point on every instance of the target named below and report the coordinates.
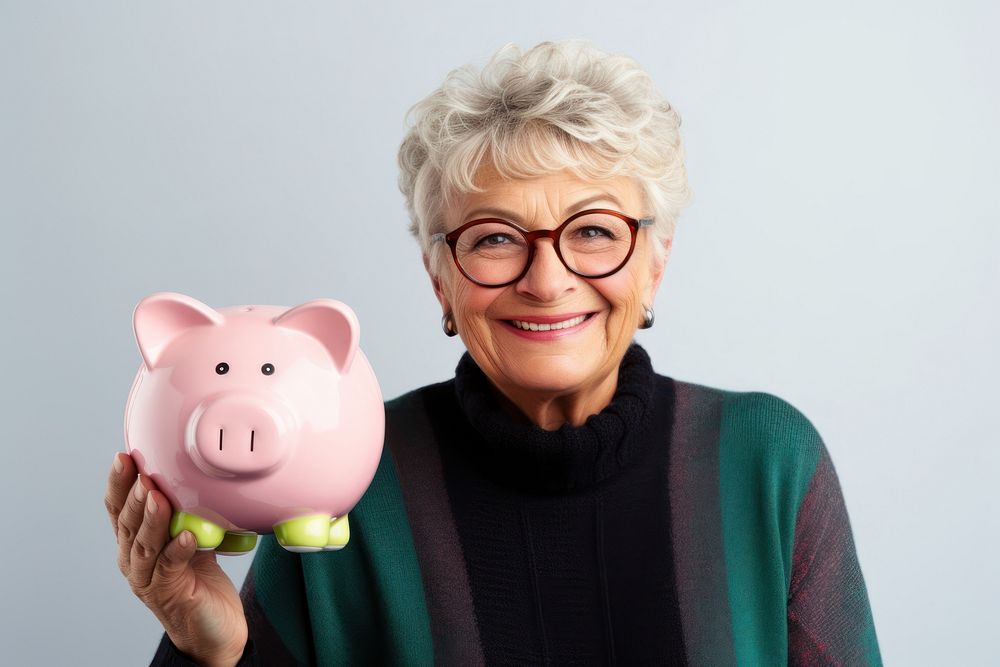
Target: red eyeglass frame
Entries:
(451, 238)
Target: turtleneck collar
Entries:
(522, 454)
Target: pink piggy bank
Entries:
(254, 419)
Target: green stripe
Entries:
(364, 603)
(277, 578)
(768, 452)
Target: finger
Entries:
(173, 560)
(119, 483)
(129, 520)
(150, 539)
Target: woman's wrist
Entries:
(225, 657)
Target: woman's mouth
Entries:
(543, 328)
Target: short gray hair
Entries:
(559, 105)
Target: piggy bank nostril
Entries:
(253, 433)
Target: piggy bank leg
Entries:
(207, 534)
(304, 534)
(340, 533)
(237, 543)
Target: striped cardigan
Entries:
(766, 571)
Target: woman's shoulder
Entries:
(757, 451)
(747, 426)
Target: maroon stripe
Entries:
(696, 526)
(439, 551)
(827, 605)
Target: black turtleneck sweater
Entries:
(566, 533)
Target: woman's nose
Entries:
(547, 277)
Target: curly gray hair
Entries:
(559, 105)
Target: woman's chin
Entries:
(547, 374)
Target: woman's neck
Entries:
(550, 411)
(584, 443)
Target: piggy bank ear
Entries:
(330, 322)
(162, 317)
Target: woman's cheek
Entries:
(461, 304)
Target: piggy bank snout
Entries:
(240, 434)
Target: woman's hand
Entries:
(188, 592)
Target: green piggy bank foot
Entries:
(316, 532)
(207, 534)
(237, 543)
(340, 533)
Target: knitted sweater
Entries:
(681, 525)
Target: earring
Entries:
(448, 325)
(647, 317)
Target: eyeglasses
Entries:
(593, 244)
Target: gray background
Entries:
(842, 251)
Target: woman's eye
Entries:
(493, 240)
(596, 232)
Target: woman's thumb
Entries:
(174, 559)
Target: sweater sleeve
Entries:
(829, 617)
(168, 655)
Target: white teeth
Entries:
(534, 326)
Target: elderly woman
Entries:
(557, 501)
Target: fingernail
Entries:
(140, 490)
(119, 466)
(185, 539)
(150, 504)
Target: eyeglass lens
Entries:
(495, 253)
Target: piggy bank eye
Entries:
(222, 368)
(267, 369)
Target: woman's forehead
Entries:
(503, 196)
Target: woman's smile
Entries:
(547, 327)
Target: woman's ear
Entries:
(437, 285)
(659, 264)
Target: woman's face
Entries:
(547, 364)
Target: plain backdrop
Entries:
(841, 251)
